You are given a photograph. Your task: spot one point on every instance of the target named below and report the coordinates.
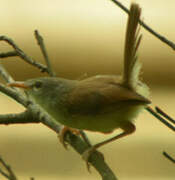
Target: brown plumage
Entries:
(101, 94)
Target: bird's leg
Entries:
(85, 138)
(127, 127)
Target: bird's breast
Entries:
(104, 122)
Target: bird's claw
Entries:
(63, 133)
(86, 156)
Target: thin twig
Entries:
(165, 115)
(16, 95)
(8, 54)
(160, 37)
(165, 122)
(168, 157)
(5, 75)
(160, 111)
(41, 44)
(11, 175)
(24, 56)
(20, 118)
(4, 174)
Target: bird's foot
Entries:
(87, 153)
(64, 130)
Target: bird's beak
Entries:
(18, 84)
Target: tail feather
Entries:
(133, 38)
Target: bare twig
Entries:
(160, 111)
(5, 75)
(11, 92)
(164, 121)
(160, 37)
(19, 97)
(24, 56)
(20, 118)
(165, 115)
(10, 174)
(168, 157)
(41, 44)
(8, 54)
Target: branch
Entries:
(20, 118)
(161, 119)
(165, 122)
(5, 75)
(19, 97)
(14, 93)
(161, 112)
(41, 44)
(8, 54)
(21, 54)
(168, 157)
(10, 174)
(149, 29)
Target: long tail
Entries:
(132, 42)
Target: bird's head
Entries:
(45, 90)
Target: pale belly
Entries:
(105, 123)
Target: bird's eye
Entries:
(38, 85)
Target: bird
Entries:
(101, 103)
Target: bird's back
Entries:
(101, 94)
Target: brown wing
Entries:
(94, 95)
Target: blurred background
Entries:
(87, 36)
